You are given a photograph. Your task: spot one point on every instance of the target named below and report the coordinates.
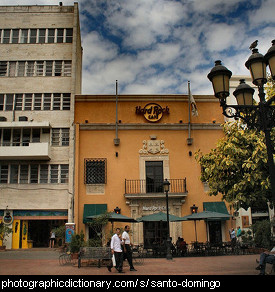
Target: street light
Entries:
(166, 186)
(261, 116)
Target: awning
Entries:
(93, 209)
(218, 207)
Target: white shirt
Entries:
(116, 243)
(126, 237)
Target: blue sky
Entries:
(156, 46)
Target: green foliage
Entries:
(237, 167)
(97, 224)
(262, 234)
(77, 242)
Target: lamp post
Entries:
(261, 116)
(166, 186)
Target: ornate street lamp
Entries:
(260, 116)
(166, 187)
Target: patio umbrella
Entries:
(206, 215)
(160, 217)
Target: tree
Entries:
(237, 167)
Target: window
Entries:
(60, 33)
(3, 68)
(12, 69)
(16, 137)
(34, 174)
(47, 101)
(69, 35)
(56, 101)
(95, 171)
(1, 102)
(58, 68)
(42, 35)
(49, 68)
(4, 172)
(24, 36)
(65, 136)
(15, 36)
(21, 69)
(64, 174)
(14, 174)
(9, 102)
(6, 137)
(35, 135)
(18, 102)
(60, 137)
(39, 68)
(54, 173)
(28, 102)
(44, 171)
(24, 173)
(6, 36)
(66, 101)
(33, 36)
(26, 138)
(154, 176)
(37, 101)
(51, 33)
(67, 68)
(30, 68)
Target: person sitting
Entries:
(266, 257)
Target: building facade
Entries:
(40, 73)
(122, 162)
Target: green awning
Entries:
(93, 209)
(218, 207)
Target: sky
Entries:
(157, 46)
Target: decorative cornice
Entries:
(179, 127)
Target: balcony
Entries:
(149, 189)
(32, 151)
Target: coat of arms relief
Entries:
(153, 147)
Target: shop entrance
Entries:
(155, 234)
(215, 231)
(39, 231)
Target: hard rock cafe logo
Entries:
(152, 112)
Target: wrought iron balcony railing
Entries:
(142, 186)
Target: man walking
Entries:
(117, 251)
(127, 247)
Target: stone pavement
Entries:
(46, 262)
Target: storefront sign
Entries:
(152, 112)
(154, 208)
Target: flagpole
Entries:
(116, 140)
(189, 139)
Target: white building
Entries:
(40, 73)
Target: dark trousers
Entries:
(266, 258)
(128, 255)
(119, 261)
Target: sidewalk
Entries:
(46, 262)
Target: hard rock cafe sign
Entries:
(152, 112)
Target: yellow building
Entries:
(123, 164)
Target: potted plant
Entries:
(4, 231)
(75, 244)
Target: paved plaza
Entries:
(46, 262)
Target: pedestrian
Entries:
(232, 237)
(239, 233)
(127, 246)
(266, 257)
(116, 251)
(52, 239)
